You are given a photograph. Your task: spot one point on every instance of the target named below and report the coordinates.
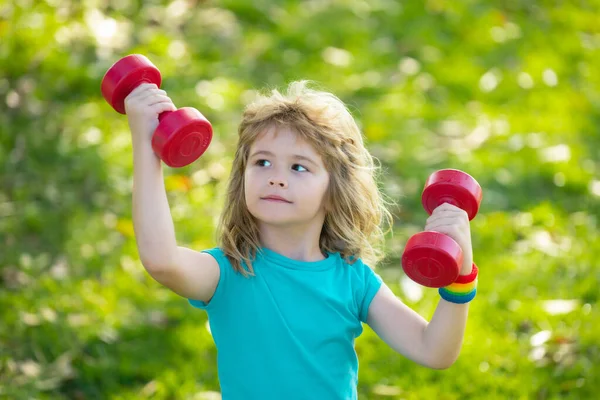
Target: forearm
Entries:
(444, 334)
(152, 221)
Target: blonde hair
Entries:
(355, 208)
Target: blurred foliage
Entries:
(508, 91)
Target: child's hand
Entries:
(454, 222)
(143, 105)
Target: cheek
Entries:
(250, 179)
(247, 184)
(325, 186)
(324, 191)
(250, 187)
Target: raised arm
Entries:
(435, 344)
(188, 273)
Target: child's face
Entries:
(282, 164)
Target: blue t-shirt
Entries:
(288, 332)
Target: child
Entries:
(289, 286)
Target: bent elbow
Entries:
(156, 267)
(441, 363)
(441, 366)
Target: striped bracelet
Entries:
(463, 290)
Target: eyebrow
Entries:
(295, 156)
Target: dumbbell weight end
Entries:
(432, 259)
(182, 136)
(124, 76)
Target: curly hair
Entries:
(356, 210)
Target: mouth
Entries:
(275, 199)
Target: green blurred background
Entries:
(508, 91)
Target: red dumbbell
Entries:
(182, 135)
(432, 258)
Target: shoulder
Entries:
(227, 280)
(356, 265)
(365, 284)
(217, 253)
(226, 262)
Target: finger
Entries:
(163, 106)
(446, 220)
(148, 101)
(446, 212)
(432, 227)
(142, 88)
(456, 232)
(151, 92)
(452, 219)
(152, 100)
(447, 208)
(449, 230)
(139, 95)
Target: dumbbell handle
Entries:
(142, 81)
(163, 115)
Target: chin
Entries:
(271, 219)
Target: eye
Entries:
(260, 162)
(300, 166)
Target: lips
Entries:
(276, 199)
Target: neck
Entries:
(297, 243)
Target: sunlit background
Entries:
(506, 91)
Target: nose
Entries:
(273, 181)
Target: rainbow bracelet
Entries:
(463, 290)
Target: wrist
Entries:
(467, 266)
(468, 278)
(142, 146)
(144, 156)
(463, 290)
(467, 270)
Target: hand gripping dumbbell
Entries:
(182, 135)
(432, 258)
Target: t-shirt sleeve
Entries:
(371, 282)
(226, 271)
